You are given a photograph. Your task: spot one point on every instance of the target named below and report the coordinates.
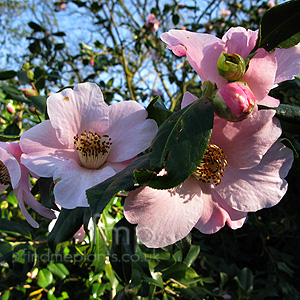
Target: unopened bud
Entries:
(231, 66)
(10, 108)
(28, 92)
(234, 102)
(209, 89)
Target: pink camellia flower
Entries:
(152, 23)
(85, 141)
(265, 69)
(234, 102)
(242, 171)
(14, 173)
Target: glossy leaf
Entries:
(58, 269)
(179, 145)
(100, 195)
(39, 103)
(157, 111)
(67, 224)
(124, 243)
(280, 27)
(9, 138)
(4, 75)
(45, 278)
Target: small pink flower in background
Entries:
(242, 171)
(261, 11)
(265, 69)
(158, 92)
(271, 4)
(92, 62)
(152, 23)
(13, 173)
(60, 6)
(10, 108)
(85, 141)
(225, 13)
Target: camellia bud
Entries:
(10, 108)
(231, 66)
(28, 92)
(234, 102)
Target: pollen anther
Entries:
(4, 175)
(212, 165)
(92, 148)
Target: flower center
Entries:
(4, 175)
(212, 165)
(92, 148)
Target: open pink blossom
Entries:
(85, 141)
(242, 171)
(13, 173)
(265, 69)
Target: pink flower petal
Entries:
(42, 150)
(187, 99)
(164, 216)
(29, 199)
(259, 187)
(130, 131)
(12, 166)
(19, 195)
(216, 212)
(244, 143)
(240, 40)
(260, 75)
(198, 46)
(72, 180)
(288, 63)
(77, 110)
(269, 101)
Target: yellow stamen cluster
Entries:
(212, 165)
(92, 148)
(4, 175)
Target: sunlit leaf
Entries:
(280, 26)
(45, 278)
(179, 145)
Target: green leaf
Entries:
(280, 27)
(67, 224)
(157, 111)
(9, 138)
(99, 195)
(100, 251)
(4, 75)
(45, 278)
(15, 228)
(22, 76)
(192, 255)
(179, 145)
(36, 27)
(44, 186)
(39, 103)
(124, 243)
(12, 130)
(245, 280)
(59, 270)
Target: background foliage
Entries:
(45, 48)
